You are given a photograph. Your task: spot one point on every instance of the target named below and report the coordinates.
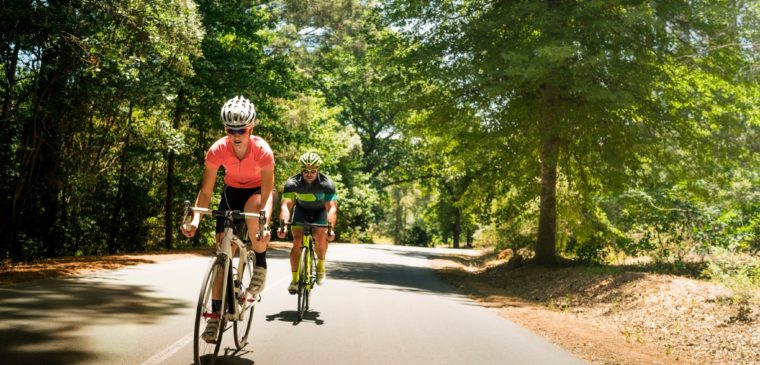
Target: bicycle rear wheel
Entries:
(206, 352)
(246, 303)
(303, 283)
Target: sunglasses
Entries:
(237, 131)
(307, 171)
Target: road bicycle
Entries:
(307, 267)
(226, 282)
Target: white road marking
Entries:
(166, 353)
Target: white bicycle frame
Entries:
(225, 248)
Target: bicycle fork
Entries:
(308, 262)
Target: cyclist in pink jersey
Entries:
(248, 164)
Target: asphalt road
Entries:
(379, 305)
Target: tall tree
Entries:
(72, 56)
(561, 84)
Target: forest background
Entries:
(591, 131)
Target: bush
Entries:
(741, 274)
(418, 236)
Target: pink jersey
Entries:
(245, 173)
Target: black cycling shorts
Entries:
(301, 215)
(235, 199)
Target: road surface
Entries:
(379, 305)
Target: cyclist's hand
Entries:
(330, 234)
(281, 232)
(188, 230)
(266, 235)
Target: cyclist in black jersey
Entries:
(310, 196)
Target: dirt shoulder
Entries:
(614, 317)
(11, 273)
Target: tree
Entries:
(579, 87)
(73, 65)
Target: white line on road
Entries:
(164, 354)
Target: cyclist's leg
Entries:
(225, 203)
(253, 205)
(320, 234)
(295, 252)
(232, 199)
(320, 238)
(212, 324)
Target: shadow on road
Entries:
(45, 322)
(21, 346)
(292, 316)
(231, 356)
(395, 276)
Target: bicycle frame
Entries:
(222, 284)
(307, 248)
(306, 265)
(225, 251)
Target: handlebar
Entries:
(330, 230)
(229, 214)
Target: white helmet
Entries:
(310, 160)
(238, 112)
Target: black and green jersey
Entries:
(310, 196)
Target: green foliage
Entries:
(418, 236)
(431, 117)
(739, 273)
(644, 94)
(78, 75)
(359, 207)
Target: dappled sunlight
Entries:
(24, 346)
(57, 310)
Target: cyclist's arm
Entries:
(332, 212)
(206, 192)
(285, 207)
(331, 201)
(267, 183)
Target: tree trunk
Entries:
(35, 202)
(170, 158)
(119, 199)
(397, 239)
(10, 74)
(547, 222)
(6, 152)
(457, 229)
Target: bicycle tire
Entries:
(203, 350)
(242, 327)
(303, 283)
(312, 275)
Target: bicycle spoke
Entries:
(246, 303)
(303, 291)
(206, 352)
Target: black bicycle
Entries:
(226, 282)
(307, 266)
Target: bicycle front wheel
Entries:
(205, 352)
(303, 283)
(246, 303)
